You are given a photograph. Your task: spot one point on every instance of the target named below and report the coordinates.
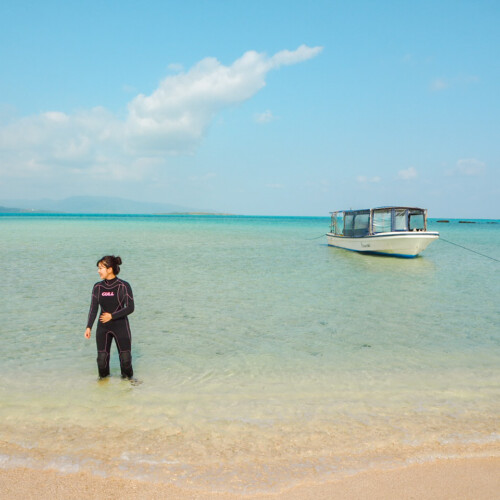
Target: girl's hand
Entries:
(87, 333)
(105, 317)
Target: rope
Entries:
(470, 250)
(317, 238)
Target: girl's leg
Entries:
(126, 364)
(103, 340)
(124, 343)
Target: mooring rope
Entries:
(317, 238)
(469, 249)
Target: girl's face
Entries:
(106, 273)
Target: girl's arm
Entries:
(94, 306)
(126, 305)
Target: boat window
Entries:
(339, 223)
(361, 224)
(416, 220)
(349, 225)
(382, 221)
(400, 219)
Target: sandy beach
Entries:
(474, 479)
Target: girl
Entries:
(117, 302)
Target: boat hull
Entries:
(400, 244)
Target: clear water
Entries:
(266, 358)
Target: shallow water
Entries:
(266, 358)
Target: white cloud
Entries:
(264, 117)
(287, 57)
(470, 79)
(176, 67)
(363, 179)
(468, 167)
(322, 185)
(175, 117)
(439, 84)
(128, 89)
(409, 173)
(172, 120)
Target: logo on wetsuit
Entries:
(108, 294)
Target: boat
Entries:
(394, 231)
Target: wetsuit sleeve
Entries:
(94, 306)
(126, 305)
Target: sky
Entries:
(260, 108)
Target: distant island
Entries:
(12, 210)
(98, 205)
(9, 210)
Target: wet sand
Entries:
(474, 479)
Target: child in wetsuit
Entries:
(117, 302)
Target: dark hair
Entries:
(111, 261)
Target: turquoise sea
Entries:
(265, 358)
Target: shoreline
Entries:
(466, 478)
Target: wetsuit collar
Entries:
(110, 282)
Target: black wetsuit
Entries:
(115, 297)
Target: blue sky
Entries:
(262, 107)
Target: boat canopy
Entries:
(366, 222)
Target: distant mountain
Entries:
(10, 210)
(94, 205)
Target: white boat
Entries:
(396, 231)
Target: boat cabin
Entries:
(360, 223)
